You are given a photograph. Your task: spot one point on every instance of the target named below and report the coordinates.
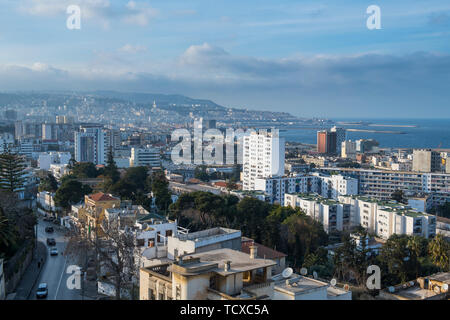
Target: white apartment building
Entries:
(380, 184)
(334, 216)
(327, 186)
(385, 218)
(263, 157)
(348, 149)
(46, 159)
(337, 185)
(150, 157)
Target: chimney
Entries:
(253, 252)
(227, 265)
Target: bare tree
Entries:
(112, 247)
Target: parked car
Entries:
(49, 229)
(51, 241)
(54, 251)
(42, 291)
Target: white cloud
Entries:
(139, 13)
(130, 49)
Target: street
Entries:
(54, 269)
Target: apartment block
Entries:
(380, 184)
(426, 160)
(334, 216)
(145, 157)
(263, 156)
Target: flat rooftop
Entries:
(207, 234)
(298, 284)
(239, 261)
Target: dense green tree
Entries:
(201, 174)
(48, 183)
(251, 215)
(398, 260)
(111, 171)
(12, 170)
(399, 196)
(301, 235)
(71, 192)
(160, 189)
(439, 250)
(85, 170)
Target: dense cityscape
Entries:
(281, 220)
(220, 158)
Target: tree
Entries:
(399, 261)
(301, 235)
(439, 250)
(111, 170)
(160, 189)
(6, 230)
(48, 183)
(201, 174)
(113, 248)
(84, 170)
(444, 210)
(399, 196)
(71, 192)
(12, 170)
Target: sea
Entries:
(390, 133)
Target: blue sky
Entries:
(310, 58)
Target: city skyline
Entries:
(310, 59)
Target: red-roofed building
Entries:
(264, 252)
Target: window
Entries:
(151, 294)
(161, 296)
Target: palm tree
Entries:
(439, 250)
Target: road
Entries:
(54, 270)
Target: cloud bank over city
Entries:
(289, 59)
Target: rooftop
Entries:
(239, 261)
(208, 234)
(100, 196)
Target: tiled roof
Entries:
(100, 196)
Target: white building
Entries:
(327, 186)
(334, 216)
(46, 159)
(150, 157)
(385, 218)
(348, 149)
(337, 185)
(263, 157)
(59, 170)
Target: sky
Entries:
(312, 58)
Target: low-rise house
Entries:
(222, 274)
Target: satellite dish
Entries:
(346, 287)
(303, 271)
(391, 289)
(315, 275)
(411, 283)
(287, 273)
(445, 287)
(333, 282)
